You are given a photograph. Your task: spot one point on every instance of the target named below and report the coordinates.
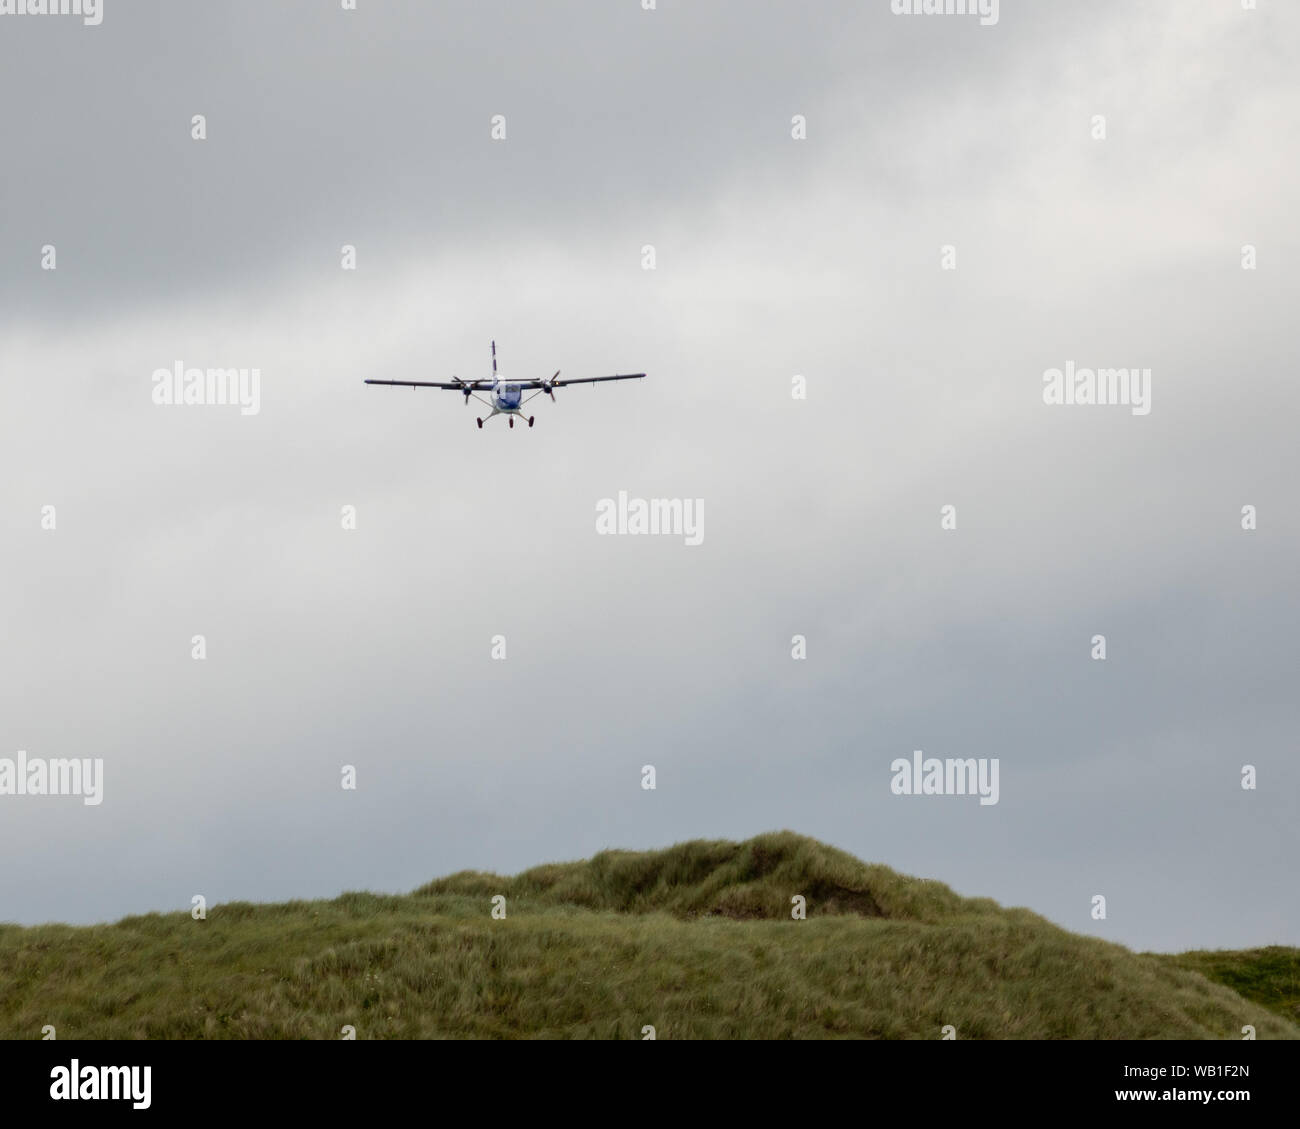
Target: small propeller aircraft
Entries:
(507, 396)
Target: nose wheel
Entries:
(512, 423)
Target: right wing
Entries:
(596, 379)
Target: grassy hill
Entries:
(1269, 976)
(696, 940)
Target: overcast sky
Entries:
(774, 257)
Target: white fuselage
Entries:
(506, 397)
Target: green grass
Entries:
(696, 940)
(1270, 976)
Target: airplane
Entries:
(506, 395)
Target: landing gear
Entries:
(512, 423)
(480, 425)
(530, 420)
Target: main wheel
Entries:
(530, 420)
(480, 425)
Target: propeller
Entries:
(548, 386)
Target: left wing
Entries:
(459, 386)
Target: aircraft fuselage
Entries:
(506, 397)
